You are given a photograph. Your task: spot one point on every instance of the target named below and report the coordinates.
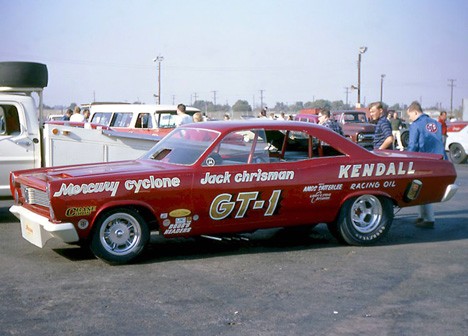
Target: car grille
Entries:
(35, 196)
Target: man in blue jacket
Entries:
(425, 135)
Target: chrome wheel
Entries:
(366, 213)
(120, 233)
(120, 236)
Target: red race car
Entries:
(217, 178)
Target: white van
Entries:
(137, 118)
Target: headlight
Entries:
(360, 137)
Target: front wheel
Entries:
(364, 220)
(119, 236)
(457, 153)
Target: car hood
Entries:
(97, 171)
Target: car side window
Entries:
(167, 120)
(144, 121)
(101, 118)
(122, 119)
(9, 120)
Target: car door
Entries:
(239, 188)
(17, 148)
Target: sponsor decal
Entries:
(79, 211)
(245, 176)
(372, 185)
(323, 187)
(180, 213)
(100, 187)
(432, 128)
(83, 224)
(182, 225)
(320, 196)
(152, 183)
(375, 170)
(87, 188)
(223, 205)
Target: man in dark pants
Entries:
(425, 135)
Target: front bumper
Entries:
(38, 229)
(449, 192)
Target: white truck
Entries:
(26, 142)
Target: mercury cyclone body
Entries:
(217, 178)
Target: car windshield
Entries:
(182, 146)
(355, 118)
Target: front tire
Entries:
(457, 153)
(119, 236)
(364, 220)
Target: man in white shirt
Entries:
(182, 117)
(77, 116)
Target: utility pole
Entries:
(214, 97)
(194, 97)
(382, 76)
(451, 94)
(159, 59)
(261, 99)
(362, 50)
(347, 93)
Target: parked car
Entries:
(356, 127)
(157, 120)
(214, 179)
(457, 141)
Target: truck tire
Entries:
(457, 153)
(23, 75)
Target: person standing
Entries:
(67, 115)
(182, 117)
(324, 120)
(443, 122)
(425, 135)
(77, 116)
(383, 137)
(396, 126)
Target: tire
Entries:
(405, 138)
(364, 220)
(23, 75)
(119, 236)
(457, 153)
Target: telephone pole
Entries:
(214, 97)
(261, 99)
(451, 94)
(347, 93)
(158, 60)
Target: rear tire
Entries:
(364, 220)
(457, 153)
(23, 75)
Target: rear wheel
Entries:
(363, 220)
(119, 236)
(457, 153)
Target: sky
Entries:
(255, 50)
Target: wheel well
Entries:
(145, 212)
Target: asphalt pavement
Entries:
(281, 282)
